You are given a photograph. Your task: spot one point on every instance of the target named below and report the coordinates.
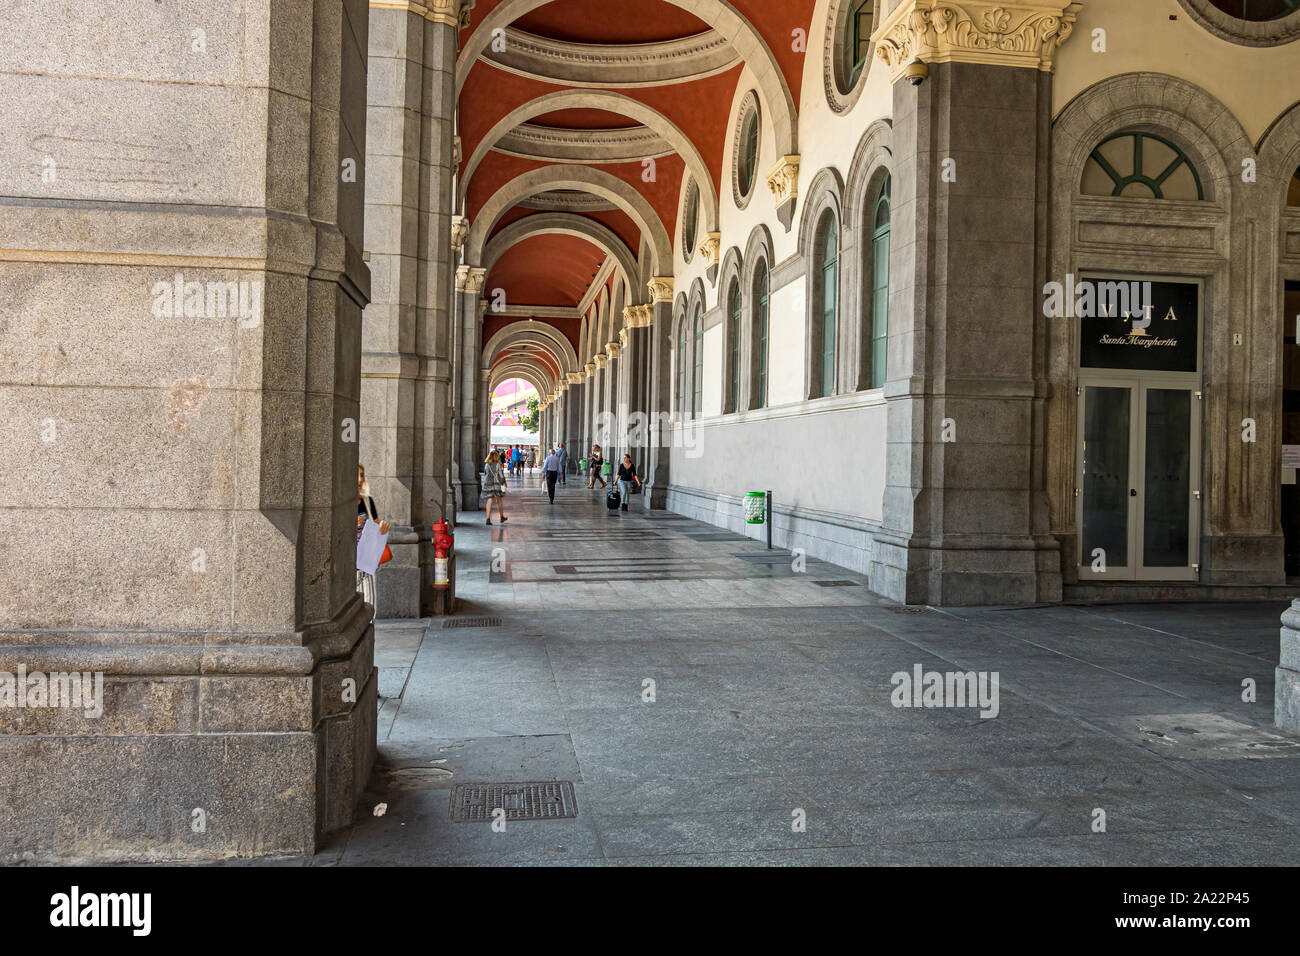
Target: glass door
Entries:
(1138, 481)
(1169, 490)
(1107, 503)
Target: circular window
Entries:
(690, 219)
(745, 151)
(848, 50)
(1249, 22)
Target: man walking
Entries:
(551, 467)
(562, 456)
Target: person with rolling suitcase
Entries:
(628, 482)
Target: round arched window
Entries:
(746, 150)
(690, 220)
(1248, 22)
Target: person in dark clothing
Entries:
(594, 465)
(627, 480)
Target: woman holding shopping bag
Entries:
(366, 509)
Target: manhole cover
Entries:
(473, 622)
(475, 802)
(836, 584)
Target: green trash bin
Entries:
(755, 507)
(606, 470)
(582, 464)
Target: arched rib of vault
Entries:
(611, 102)
(532, 332)
(562, 224)
(530, 372)
(582, 178)
(719, 14)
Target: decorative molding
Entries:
(833, 80)
(576, 378)
(590, 368)
(567, 201)
(661, 289)
(681, 60)
(532, 141)
(459, 230)
(601, 359)
(623, 336)
(613, 349)
(710, 246)
(1023, 33)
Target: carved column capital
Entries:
(459, 230)
(661, 289)
(613, 349)
(576, 378)
(601, 358)
(453, 13)
(622, 336)
(590, 368)
(643, 316)
(783, 180)
(1023, 33)
(710, 246)
(472, 279)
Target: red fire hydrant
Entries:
(443, 540)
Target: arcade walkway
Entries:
(772, 695)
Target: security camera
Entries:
(916, 72)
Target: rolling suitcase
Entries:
(613, 500)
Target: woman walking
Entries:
(366, 509)
(627, 480)
(494, 486)
(594, 465)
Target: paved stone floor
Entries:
(772, 696)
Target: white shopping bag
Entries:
(370, 548)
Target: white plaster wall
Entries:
(785, 360)
(817, 456)
(712, 397)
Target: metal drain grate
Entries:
(549, 800)
(836, 584)
(473, 622)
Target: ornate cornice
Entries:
(459, 230)
(606, 65)
(1023, 33)
(710, 246)
(454, 13)
(661, 289)
(783, 180)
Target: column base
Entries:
(467, 496)
(1286, 685)
(653, 498)
(193, 766)
(967, 570)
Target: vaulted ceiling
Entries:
(563, 106)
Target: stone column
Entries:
(965, 509)
(658, 471)
(469, 282)
(407, 342)
(1286, 686)
(572, 435)
(635, 338)
(179, 389)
